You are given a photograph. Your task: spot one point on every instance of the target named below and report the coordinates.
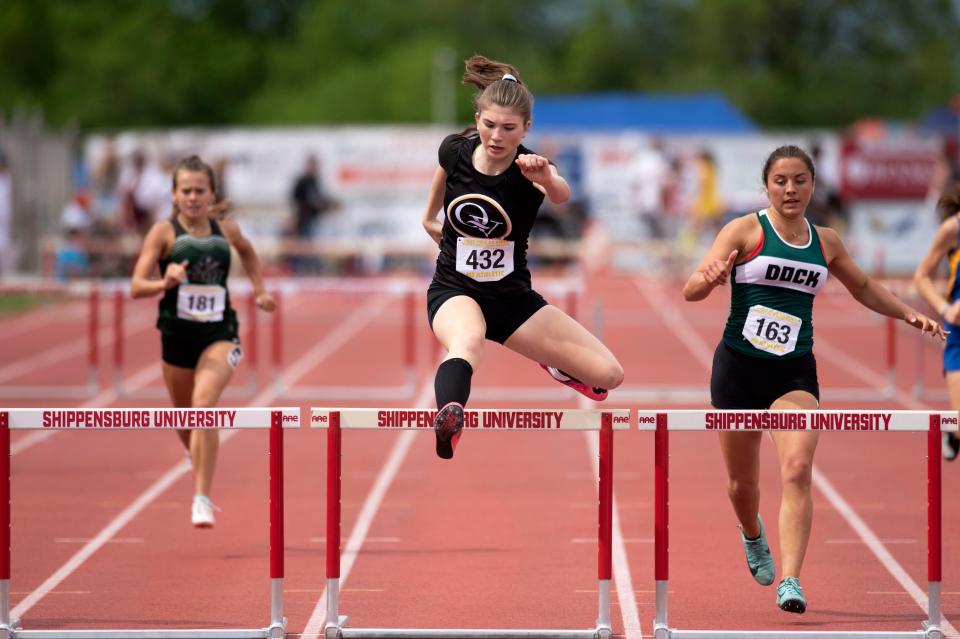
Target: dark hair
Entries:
(787, 151)
(949, 202)
(488, 76)
(194, 164)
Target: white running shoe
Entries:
(202, 515)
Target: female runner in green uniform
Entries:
(198, 326)
(777, 262)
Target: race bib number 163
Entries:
(771, 330)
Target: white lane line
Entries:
(700, 351)
(101, 538)
(83, 540)
(883, 541)
(74, 348)
(369, 540)
(876, 546)
(677, 323)
(318, 618)
(334, 340)
(626, 540)
(621, 566)
(827, 350)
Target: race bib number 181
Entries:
(771, 330)
(484, 260)
(199, 303)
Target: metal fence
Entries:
(40, 162)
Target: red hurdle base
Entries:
(908, 421)
(336, 626)
(33, 418)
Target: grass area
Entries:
(11, 303)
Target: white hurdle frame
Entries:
(337, 419)
(151, 419)
(931, 422)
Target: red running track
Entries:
(502, 536)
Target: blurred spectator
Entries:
(144, 194)
(560, 221)
(76, 214)
(673, 201)
(826, 205)
(71, 260)
(650, 169)
(220, 168)
(309, 204)
(707, 208)
(106, 182)
(6, 217)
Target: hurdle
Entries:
(820, 421)
(129, 419)
(398, 419)
(83, 292)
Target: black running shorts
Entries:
(503, 315)
(740, 381)
(185, 353)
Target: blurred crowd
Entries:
(120, 198)
(673, 195)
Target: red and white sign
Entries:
(886, 172)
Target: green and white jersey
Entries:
(771, 308)
(199, 308)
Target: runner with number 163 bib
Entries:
(776, 262)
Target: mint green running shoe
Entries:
(759, 559)
(790, 596)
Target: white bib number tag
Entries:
(772, 331)
(484, 260)
(199, 303)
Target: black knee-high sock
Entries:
(452, 383)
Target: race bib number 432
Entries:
(199, 303)
(771, 330)
(484, 260)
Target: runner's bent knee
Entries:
(797, 471)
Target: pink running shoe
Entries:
(448, 426)
(595, 393)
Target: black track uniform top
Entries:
(199, 308)
(487, 219)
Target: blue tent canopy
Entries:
(943, 120)
(680, 113)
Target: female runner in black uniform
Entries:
(198, 326)
(490, 188)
